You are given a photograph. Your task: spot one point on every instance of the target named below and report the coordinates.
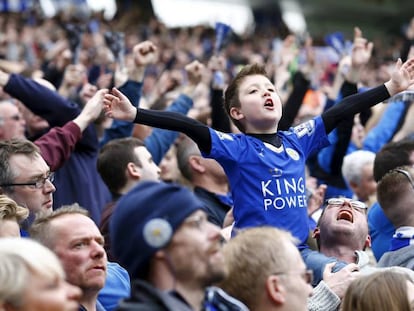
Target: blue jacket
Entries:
(380, 229)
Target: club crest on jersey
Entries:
(292, 153)
(306, 128)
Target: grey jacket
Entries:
(403, 257)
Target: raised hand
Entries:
(289, 51)
(87, 91)
(362, 49)
(360, 56)
(217, 63)
(118, 106)
(92, 110)
(402, 77)
(194, 72)
(217, 66)
(145, 53)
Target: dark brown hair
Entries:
(231, 95)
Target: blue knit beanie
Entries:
(144, 221)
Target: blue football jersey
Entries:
(268, 183)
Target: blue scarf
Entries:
(403, 236)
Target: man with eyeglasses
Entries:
(342, 233)
(267, 272)
(26, 167)
(25, 176)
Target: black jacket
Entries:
(145, 297)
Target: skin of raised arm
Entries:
(91, 110)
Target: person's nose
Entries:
(49, 187)
(266, 93)
(214, 231)
(97, 250)
(22, 121)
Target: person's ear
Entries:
(316, 233)
(367, 242)
(133, 170)
(197, 164)
(236, 114)
(275, 290)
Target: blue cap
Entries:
(144, 221)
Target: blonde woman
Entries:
(11, 215)
(31, 278)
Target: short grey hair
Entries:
(354, 162)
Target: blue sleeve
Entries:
(50, 105)
(120, 129)
(42, 101)
(385, 128)
(161, 140)
(381, 230)
(311, 135)
(117, 286)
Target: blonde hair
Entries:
(20, 258)
(10, 210)
(251, 256)
(379, 291)
(41, 230)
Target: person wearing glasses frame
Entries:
(272, 193)
(342, 230)
(26, 168)
(25, 177)
(267, 272)
(342, 233)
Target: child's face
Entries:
(260, 107)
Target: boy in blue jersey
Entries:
(265, 167)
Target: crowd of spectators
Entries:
(174, 169)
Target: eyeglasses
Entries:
(38, 184)
(357, 205)
(306, 275)
(406, 174)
